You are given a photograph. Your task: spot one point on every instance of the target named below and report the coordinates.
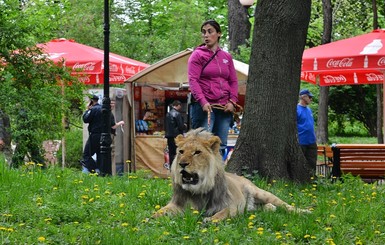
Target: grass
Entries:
(64, 206)
(353, 140)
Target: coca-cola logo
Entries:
(129, 70)
(381, 61)
(371, 77)
(334, 79)
(114, 68)
(84, 79)
(90, 66)
(118, 78)
(345, 62)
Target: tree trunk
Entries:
(380, 136)
(322, 121)
(239, 25)
(268, 141)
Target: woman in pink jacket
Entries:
(213, 84)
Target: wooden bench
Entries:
(325, 160)
(364, 160)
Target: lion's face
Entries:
(197, 162)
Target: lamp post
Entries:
(105, 139)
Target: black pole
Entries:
(105, 140)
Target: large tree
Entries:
(322, 119)
(268, 142)
(239, 25)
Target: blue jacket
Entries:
(305, 124)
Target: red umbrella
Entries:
(356, 60)
(87, 62)
(352, 61)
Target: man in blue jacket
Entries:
(305, 125)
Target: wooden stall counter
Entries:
(150, 154)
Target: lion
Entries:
(199, 179)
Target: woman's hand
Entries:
(207, 108)
(229, 107)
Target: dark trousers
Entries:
(171, 149)
(92, 146)
(310, 152)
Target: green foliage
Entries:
(354, 104)
(31, 83)
(64, 206)
(73, 147)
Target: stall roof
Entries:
(171, 72)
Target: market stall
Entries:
(152, 90)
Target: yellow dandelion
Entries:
(22, 224)
(252, 216)
(374, 194)
(166, 233)
(332, 216)
(121, 205)
(87, 190)
(107, 193)
(216, 240)
(306, 236)
(289, 234)
(124, 224)
(359, 242)
(10, 230)
(47, 219)
(204, 230)
(313, 237)
(135, 229)
(41, 239)
(328, 228)
(216, 229)
(195, 212)
(128, 161)
(91, 199)
(186, 237)
(250, 224)
(55, 188)
(215, 221)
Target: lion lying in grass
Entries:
(199, 179)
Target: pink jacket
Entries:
(218, 82)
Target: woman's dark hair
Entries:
(213, 23)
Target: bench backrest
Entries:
(364, 160)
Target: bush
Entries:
(73, 146)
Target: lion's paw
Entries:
(269, 207)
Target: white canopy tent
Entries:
(171, 73)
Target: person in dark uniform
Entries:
(174, 127)
(92, 116)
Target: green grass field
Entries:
(55, 206)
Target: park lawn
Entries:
(64, 206)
